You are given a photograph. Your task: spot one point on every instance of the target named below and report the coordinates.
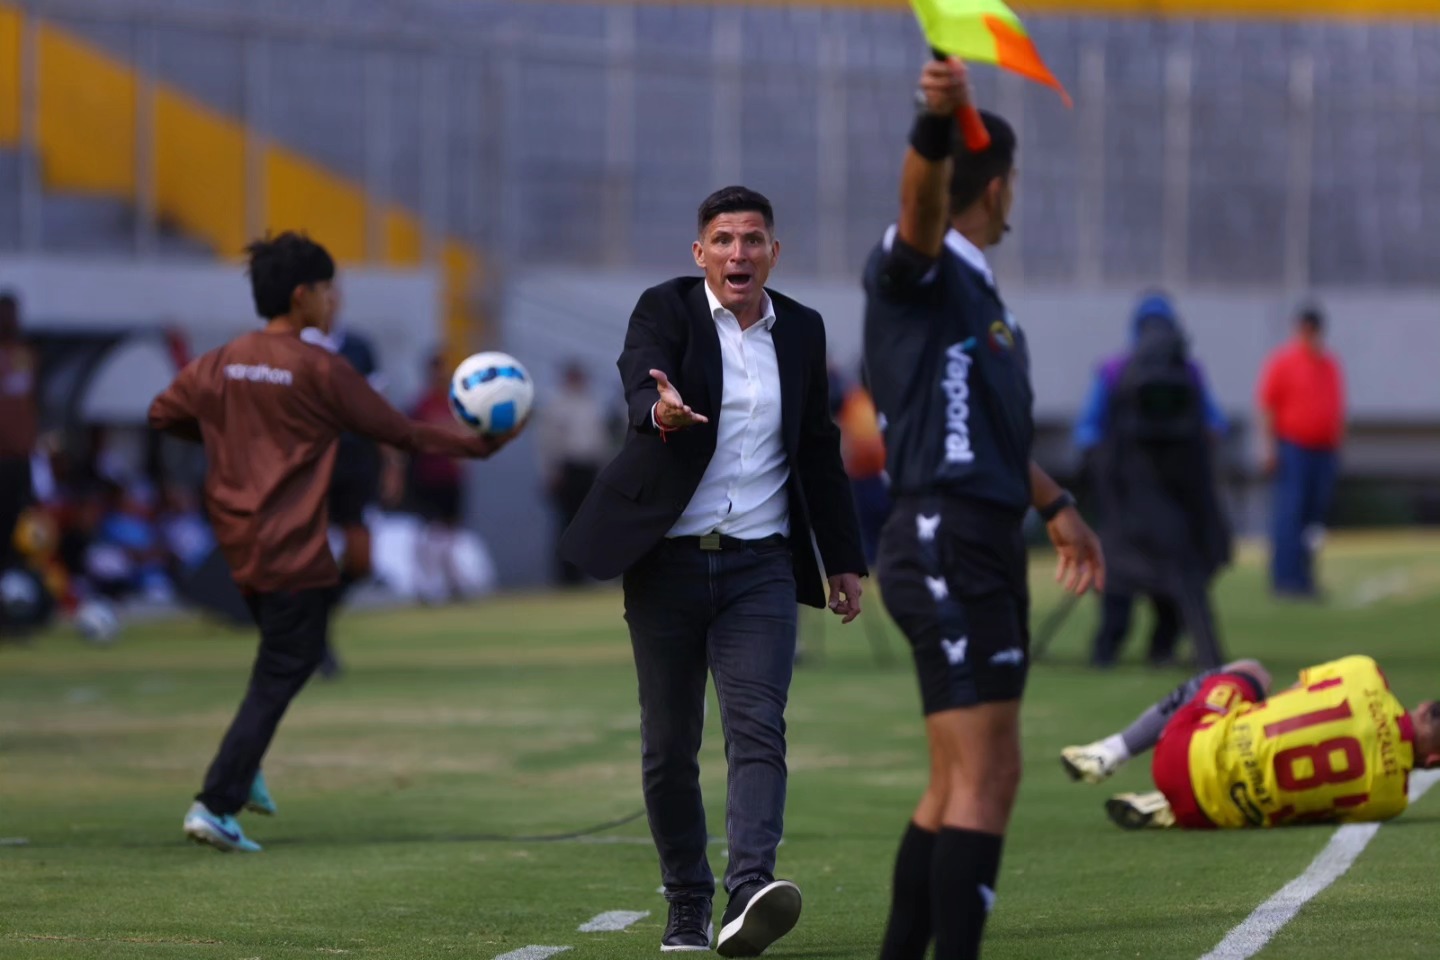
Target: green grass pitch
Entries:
(517, 717)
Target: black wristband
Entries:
(933, 136)
(1052, 509)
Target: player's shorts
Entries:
(952, 575)
(1171, 764)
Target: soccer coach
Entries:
(709, 512)
(950, 373)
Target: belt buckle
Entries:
(710, 541)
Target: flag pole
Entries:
(972, 127)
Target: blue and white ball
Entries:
(491, 393)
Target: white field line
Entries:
(612, 920)
(532, 953)
(1383, 586)
(1347, 843)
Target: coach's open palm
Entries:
(671, 413)
(1082, 562)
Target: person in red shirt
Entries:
(436, 491)
(1302, 413)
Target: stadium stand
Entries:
(488, 66)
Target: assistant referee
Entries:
(950, 373)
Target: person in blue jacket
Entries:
(1155, 311)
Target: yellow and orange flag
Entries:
(984, 31)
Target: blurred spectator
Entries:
(574, 445)
(839, 387)
(1153, 308)
(1302, 412)
(436, 486)
(362, 470)
(126, 556)
(17, 423)
(1160, 517)
(862, 447)
(184, 530)
(37, 540)
(119, 452)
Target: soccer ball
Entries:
(491, 393)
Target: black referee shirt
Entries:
(950, 374)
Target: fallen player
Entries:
(1337, 747)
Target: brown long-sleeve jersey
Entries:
(269, 407)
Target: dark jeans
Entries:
(1304, 489)
(1115, 617)
(732, 611)
(293, 628)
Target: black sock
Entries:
(962, 890)
(907, 935)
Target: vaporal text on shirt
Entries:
(957, 410)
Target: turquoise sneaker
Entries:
(260, 800)
(222, 833)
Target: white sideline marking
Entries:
(612, 920)
(532, 953)
(1392, 583)
(1347, 843)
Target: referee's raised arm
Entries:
(924, 203)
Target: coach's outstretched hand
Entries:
(671, 413)
(1082, 562)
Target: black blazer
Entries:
(645, 489)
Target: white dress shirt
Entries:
(743, 493)
(970, 253)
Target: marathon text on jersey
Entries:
(259, 373)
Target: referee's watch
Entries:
(1052, 509)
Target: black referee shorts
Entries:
(953, 576)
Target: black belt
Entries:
(718, 541)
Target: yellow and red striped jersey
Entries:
(1337, 747)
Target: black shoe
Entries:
(759, 913)
(689, 927)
